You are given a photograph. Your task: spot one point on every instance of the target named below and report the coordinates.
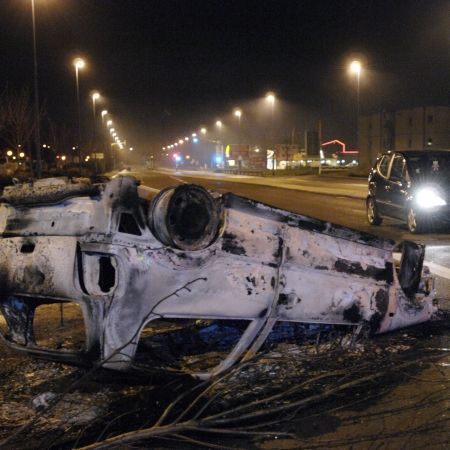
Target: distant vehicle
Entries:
(413, 186)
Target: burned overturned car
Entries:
(189, 254)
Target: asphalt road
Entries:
(335, 199)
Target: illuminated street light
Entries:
(186, 138)
(95, 97)
(203, 130)
(194, 135)
(103, 137)
(355, 68)
(9, 153)
(79, 64)
(270, 97)
(238, 113)
(21, 155)
(63, 157)
(181, 141)
(219, 149)
(109, 123)
(111, 130)
(176, 144)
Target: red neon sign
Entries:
(342, 144)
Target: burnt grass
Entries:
(297, 362)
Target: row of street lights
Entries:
(79, 64)
(105, 116)
(237, 112)
(355, 68)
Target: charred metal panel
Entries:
(188, 254)
(38, 265)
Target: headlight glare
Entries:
(429, 198)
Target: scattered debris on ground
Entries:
(319, 393)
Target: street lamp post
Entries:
(103, 138)
(238, 114)
(37, 134)
(270, 98)
(95, 97)
(219, 126)
(79, 64)
(355, 69)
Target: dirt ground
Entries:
(390, 392)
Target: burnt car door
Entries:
(397, 187)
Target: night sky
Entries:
(167, 66)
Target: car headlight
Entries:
(429, 198)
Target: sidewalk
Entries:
(355, 188)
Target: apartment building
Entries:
(421, 127)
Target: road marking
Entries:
(179, 180)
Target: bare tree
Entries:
(61, 137)
(16, 116)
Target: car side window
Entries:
(383, 165)
(398, 168)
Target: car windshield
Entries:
(429, 165)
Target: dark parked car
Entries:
(413, 186)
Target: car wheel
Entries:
(373, 217)
(414, 222)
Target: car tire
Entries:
(373, 216)
(415, 224)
